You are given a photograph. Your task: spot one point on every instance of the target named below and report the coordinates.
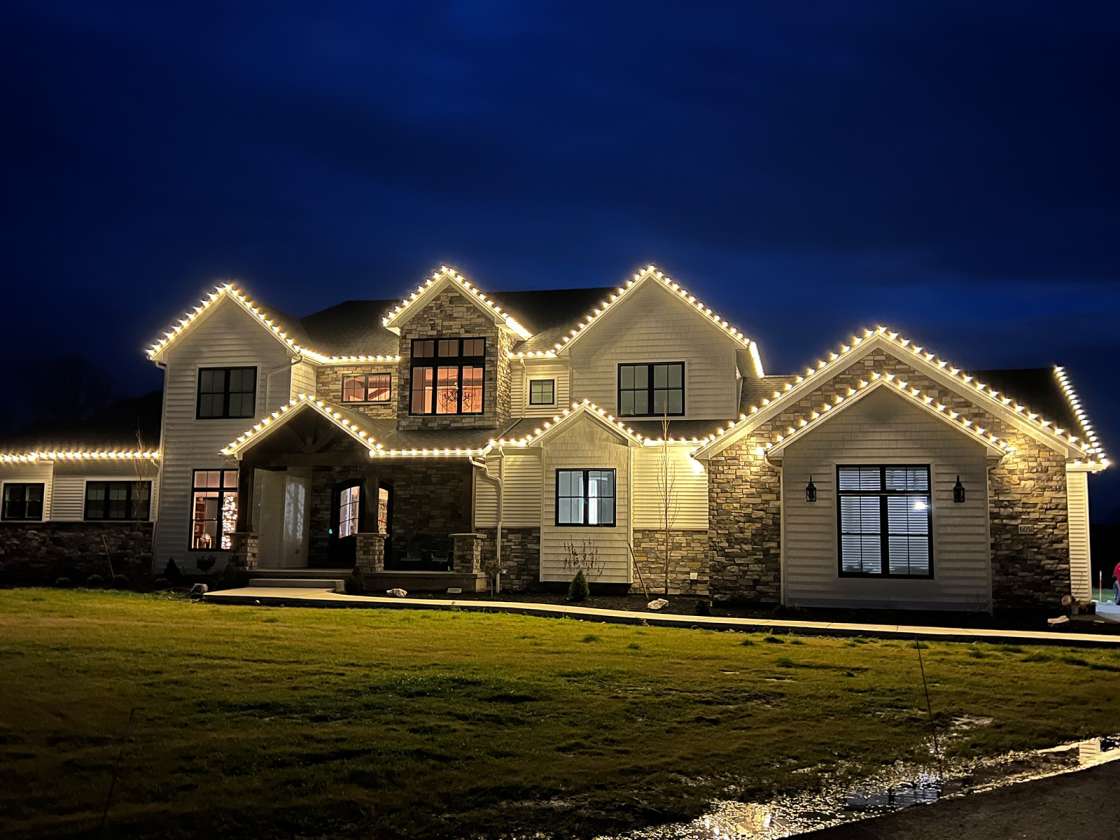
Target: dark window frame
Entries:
(586, 507)
(434, 363)
(42, 485)
(650, 389)
(551, 382)
(365, 377)
(884, 524)
(222, 491)
(225, 392)
(130, 501)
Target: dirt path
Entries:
(1078, 806)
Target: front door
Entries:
(347, 518)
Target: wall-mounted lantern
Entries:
(958, 491)
(810, 491)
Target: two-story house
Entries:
(457, 431)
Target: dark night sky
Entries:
(808, 169)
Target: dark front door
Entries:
(346, 520)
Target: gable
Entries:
(443, 279)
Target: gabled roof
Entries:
(584, 408)
(982, 392)
(440, 280)
(352, 423)
(651, 274)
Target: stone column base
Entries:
(467, 553)
(371, 552)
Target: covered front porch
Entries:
(318, 505)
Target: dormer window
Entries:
(447, 376)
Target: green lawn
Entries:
(421, 724)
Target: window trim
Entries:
(43, 503)
(585, 524)
(543, 379)
(365, 378)
(117, 480)
(225, 415)
(222, 490)
(650, 389)
(884, 524)
(436, 362)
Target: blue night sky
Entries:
(807, 169)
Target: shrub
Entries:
(172, 572)
(95, 581)
(205, 563)
(703, 607)
(161, 583)
(356, 583)
(121, 582)
(63, 583)
(234, 576)
(579, 590)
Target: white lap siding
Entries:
(68, 497)
(30, 474)
(585, 444)
(521, 477)
(687, 485)
(1080, 560)
(884, 428)
(652, 326)
(226, 337)
(522, 373)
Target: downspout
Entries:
(268, 383)
(499, 487)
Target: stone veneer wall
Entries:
(688, 552)
(41, 552)
(1028, 488)
(521, 556)
(451, 315)
(328, 386)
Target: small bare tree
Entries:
(585, 558)
(666, 492)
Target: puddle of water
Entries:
(891, 790)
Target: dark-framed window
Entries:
(447, 376)
(366, 387)
(226, 392)
(23, 502)
(884, 520)
(213, 510)
(349, 510)
(118, 500)
(542, 392)
(585, 497)
(651, 389)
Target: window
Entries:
(447, 376)
(885, 521)
(349, 510)
(542, 392)
(366, 387)
(651, 390)
(227, 392)
(213, 510)
(119, 500)
(585, 497)
(22, 503)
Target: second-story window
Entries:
(366, 387)
(447, 376)
(651, 390)
(227, 392)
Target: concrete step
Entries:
(330, 584)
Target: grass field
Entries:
(272, 722)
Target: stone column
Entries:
(245, 549)
(467, 553)
(371, 552)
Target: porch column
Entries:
(370, 557)
(467, 553)
(245, 470)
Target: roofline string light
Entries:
(1074, 401)
(668, 283)
(32, 456)
(232, 291)
(457, 279)
(268, 423)
(823, 366)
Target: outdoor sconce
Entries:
(958, 492)
(810, 491)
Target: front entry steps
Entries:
(329, 584)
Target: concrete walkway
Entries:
(304, 597)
